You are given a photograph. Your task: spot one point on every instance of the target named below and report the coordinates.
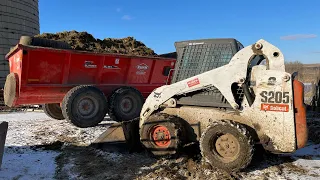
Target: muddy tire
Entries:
(36, 41)
(227, 145)
(125, 104)
(162, 134)
(53, 110)
(84, 106)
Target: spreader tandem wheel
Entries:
(84, 106)
(227, 145)
(125, 104)
(161, 134)
(53, 110)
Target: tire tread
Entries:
(112, 102)
(70, 94)
(173, 122)
(241, 129)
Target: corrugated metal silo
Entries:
(17, 18)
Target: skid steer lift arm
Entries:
(222, 77)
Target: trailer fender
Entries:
(11, 88)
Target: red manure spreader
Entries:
(79, 86)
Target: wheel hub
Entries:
(87, 107)
(161, 136)
(126, 105)
(227, 146)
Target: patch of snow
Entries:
(24, 116)
(271, 172)
(311, 150)
(312, 165)
(298, 168)
(25, 164)
(35, 128)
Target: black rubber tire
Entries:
(70, 109)
(246, 149)
(114, 104)
(173, 124)
(53, 110)
(36, 41)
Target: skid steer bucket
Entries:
(120, 137)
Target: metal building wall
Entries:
(17, 18)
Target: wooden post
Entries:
(3, 135)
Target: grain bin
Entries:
(17, 18)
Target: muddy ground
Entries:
(35, 138)
(87, 163)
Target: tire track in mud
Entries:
(88, 163)
(78, 161)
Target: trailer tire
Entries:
(169, 126)
(227, 145)
(125, 104)
(53, 110)
(42, 42)
(84, 106)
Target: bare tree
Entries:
(295, 66)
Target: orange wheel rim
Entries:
(161, 136)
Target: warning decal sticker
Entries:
(193, 82)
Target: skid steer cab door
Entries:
(272, 113)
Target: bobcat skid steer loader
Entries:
(251, 100)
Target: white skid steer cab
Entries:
(224, 97)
